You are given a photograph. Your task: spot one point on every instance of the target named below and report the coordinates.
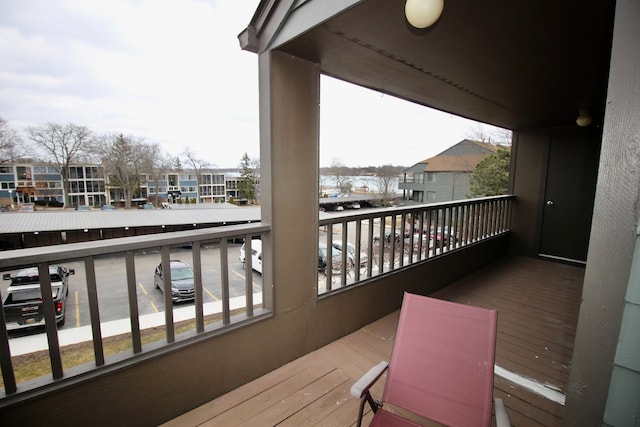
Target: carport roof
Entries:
(63, 220)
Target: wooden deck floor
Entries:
(537, 303)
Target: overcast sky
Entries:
(172, 72)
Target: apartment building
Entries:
(446, 176)
(42, 184)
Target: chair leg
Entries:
(375, 405)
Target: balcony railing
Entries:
(385, 240)
(115, 274)
(116, 260)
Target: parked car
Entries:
(441, 237)
(336, 256)
(351, 254)
(146, 206)
(84, 208)
(108, 208)
(387, 238)
(182, 285)
(256, 255)
(22, 303)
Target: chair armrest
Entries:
(361, 387)
(502, 418)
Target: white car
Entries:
(256, 255)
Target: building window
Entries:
(76, 172)
(418, 178)
(24, 172)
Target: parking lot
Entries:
(112, 284)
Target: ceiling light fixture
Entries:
(584, 119)
(423, 13)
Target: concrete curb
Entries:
(38, 342)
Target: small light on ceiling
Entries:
(584, 119)
(423, 13)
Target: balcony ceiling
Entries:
(515, 64)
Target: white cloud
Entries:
(172, 72)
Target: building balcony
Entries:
(273, 322)
(537, 302)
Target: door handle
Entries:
(549, 202)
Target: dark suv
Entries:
(182, 287)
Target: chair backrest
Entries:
(442, 361)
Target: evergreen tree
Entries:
(248, 178)
(491, 175)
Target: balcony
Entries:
(537, 303)
(252, 336)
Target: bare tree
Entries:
(385, 177)
(62, 144)
(339, 172)
(479, 132)
(159, 165)
(197, 165)
(11, 144)
(124, 159)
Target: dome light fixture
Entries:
(423, 13)
(584, 118)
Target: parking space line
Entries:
(154, 306)
(144, 291)
(239, 275)
(210, 294)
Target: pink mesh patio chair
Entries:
(441, 368)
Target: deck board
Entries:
(537, 302)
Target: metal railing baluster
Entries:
(165, 255)
(224, 280)
(94, 311)
(133, 302)
(197, 286)
(51, 328)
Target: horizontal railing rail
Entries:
(384, 240)
(125, 252)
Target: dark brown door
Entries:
(569, 196)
